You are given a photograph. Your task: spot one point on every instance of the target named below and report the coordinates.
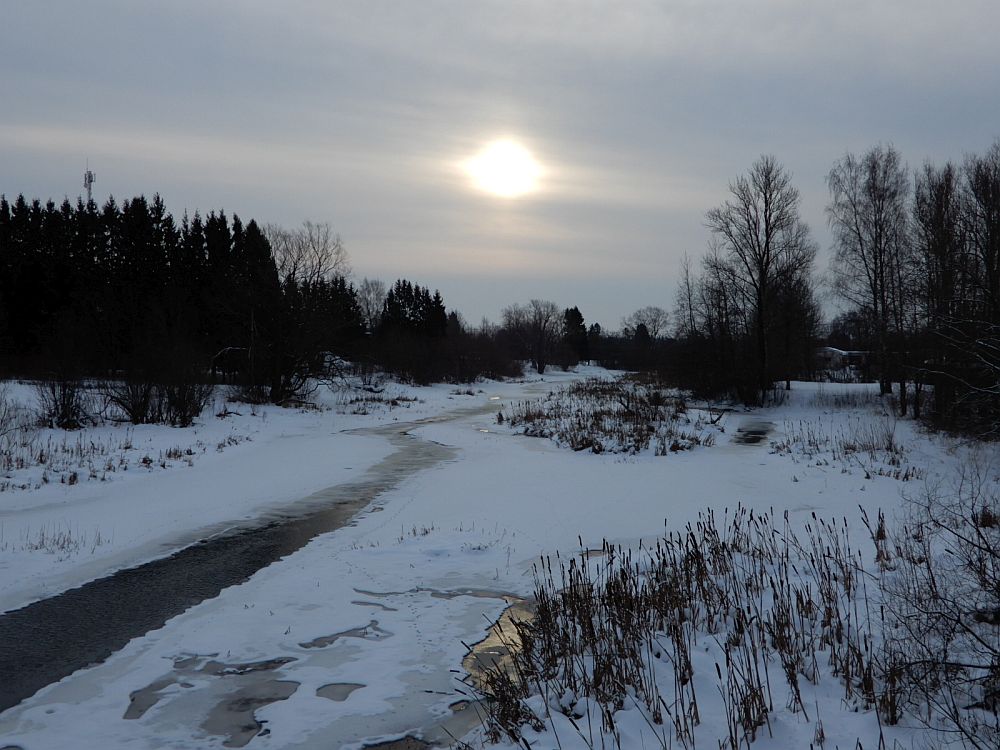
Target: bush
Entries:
(177, 402)
(63, 403)
(941, 579)
(183, 402)
(138, 400)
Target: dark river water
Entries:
(49, 639)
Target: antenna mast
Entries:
(88, 180)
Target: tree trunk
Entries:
(884, 379)
(763, 381)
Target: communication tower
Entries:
(88, 180)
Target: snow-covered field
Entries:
(360, 636)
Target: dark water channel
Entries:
(752, 432)
(49, 639)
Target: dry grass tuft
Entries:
(612, 416)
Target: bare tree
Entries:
(720, 316)
(684, 312)
(982, 178)
(371, 297)
(868, 215)
(654, 318)
(762, 245)
(940, 253)
(309, 254)
(956, 241)
(536, 327)
(942, 605)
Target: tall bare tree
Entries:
(537, 327)
(762, 244)
(654, 318)
(684, 309)
(371, 297)
(939, 248)
(868, 215)
(308, 254)
(982, 177)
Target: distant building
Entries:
(831, 358)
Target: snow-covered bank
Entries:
(120, 495)
(388, 602)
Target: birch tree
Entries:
(868, 216)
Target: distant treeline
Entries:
(125, 293)
(128, 294)
(125, 289)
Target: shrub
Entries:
(10, 414)
(63, 403)
(138, 400)
(761, 610)
(942, 602)
(611, 416)
(183, 402)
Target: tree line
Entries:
(156, 311)
(917, 256)
(127, 294)
(159, 310)
(127, 291)
(916, 264)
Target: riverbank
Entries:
(114, 496)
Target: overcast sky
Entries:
(361, 113)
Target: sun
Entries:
(504, 168)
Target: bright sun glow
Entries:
(504, 168)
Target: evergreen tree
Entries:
(575, 333)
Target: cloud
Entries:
(357, 112)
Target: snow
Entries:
(420, 573)
(54, 535)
